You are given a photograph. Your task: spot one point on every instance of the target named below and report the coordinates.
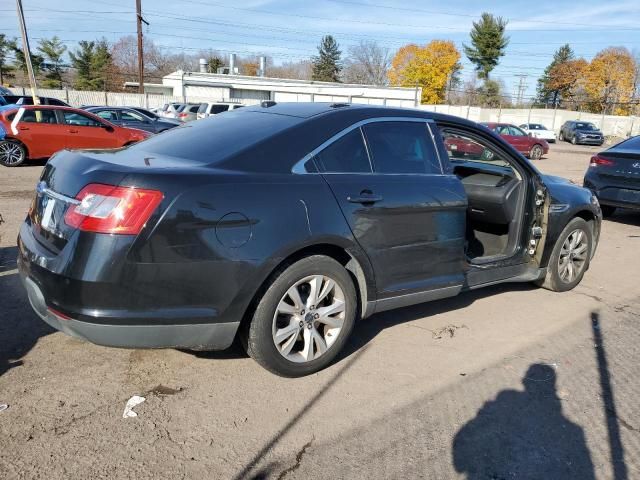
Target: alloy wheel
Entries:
(11, 154)
(573, 256)
(536, 152)
(309, 318)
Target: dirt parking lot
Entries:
(510, 382)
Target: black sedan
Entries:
(131, 118)
(614, 176)
(281, 224)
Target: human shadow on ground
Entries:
(524, 435)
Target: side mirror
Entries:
(531, 134)
(108, 128)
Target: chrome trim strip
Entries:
(299, 165)
(58, 196)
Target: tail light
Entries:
(598, 161)
(182, 115)
(111, 209)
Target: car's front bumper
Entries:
(589, 141)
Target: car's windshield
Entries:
(585, 126)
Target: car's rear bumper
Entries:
(190, 328)
(623, 196)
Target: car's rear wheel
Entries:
(304, 318)
(536, 152)
(570, 257)
(607, 210)
(12, 153)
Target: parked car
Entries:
(539, 131)
(128, 117)
(148, 113)
(171, 110)
(208, 108)
(581, 133)
(40, 131)
(5, 91)
(189, 113)
(282, 223)
(531, 147)
(28, 100)
(614, 176)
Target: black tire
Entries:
(574, 141)
(561, 137)
(553, 280)
(536, 152)
(259, 336)
(9, 159)
(607, 210)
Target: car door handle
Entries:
(364, 198)
(73, 131)
(23, 128)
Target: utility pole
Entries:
(27, 53)
(140, 20)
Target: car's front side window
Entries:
(39, 116)
(131, 117)
(515, 131)
(108, 115)
(463, 147)
(401, 147)
(348, 154)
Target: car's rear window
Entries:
(213, 139)
(632, 144)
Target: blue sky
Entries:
(290, 30)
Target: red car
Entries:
(531, 147)
(32, 132)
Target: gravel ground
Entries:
(506, 382)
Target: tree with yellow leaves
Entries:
(567, 77)
(609, 80)
(431, 67)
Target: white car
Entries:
(212, 108)
(539, 131)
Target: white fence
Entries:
(551, 118)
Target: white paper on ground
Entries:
(132, 402)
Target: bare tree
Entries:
(294, 70)
(367, 63)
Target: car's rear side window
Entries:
(219, 108)
(46, 116)
(401, 147)
(348, 154)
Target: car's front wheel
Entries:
(574, 141)
(570, 257)
(304, 318)
(12, 153)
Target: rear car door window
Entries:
(401, 147)
(219, 108)
(516, 132)
(348, 154)
(109, 115)
(80, 120)
(45, 116)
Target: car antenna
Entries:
(267, 103)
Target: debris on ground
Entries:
(162, 390)
(132, 402)
(448, 329)
(3, 407)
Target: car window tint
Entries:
(348, 154)
(73, 118)
(462, 147)
(108, 115)
(515, 131)
(401, 147)
(46, 116)
(131, 116)
(219, 108)
(194, 109)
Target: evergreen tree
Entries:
(92, 61)
(547, 94)
(6, 46)
(327, 65)
(21, 62)
(488, 42)
(52, 50)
